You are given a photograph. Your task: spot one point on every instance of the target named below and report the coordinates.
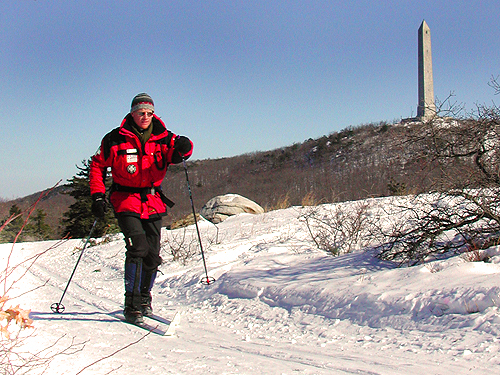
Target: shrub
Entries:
(338, 231)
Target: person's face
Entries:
(143, 118)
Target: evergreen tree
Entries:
(37, 227)
(10, 232)
(78, 220)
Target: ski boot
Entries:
(146, 308)
(148, 279)
(132, 313)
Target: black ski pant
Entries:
(142, 258)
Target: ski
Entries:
(156, 324)
(172, 324)
(148, 327)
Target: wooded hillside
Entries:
(358, 162)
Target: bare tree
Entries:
(463, 211)
(15, 320)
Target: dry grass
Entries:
(185, 221)
(281, 203)
(310, 199)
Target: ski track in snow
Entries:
(279, 306)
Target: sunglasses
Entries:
(147, 114)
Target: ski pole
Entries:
(208, 280)
(58, 307)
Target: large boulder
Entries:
(221, 207)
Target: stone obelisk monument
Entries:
(426, 107)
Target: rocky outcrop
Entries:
(221, 207)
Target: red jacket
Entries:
(134, 166)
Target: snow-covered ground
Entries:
(278, 306)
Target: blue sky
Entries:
(234, 76)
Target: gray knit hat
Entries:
(142, 101)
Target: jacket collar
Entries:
(158, 126)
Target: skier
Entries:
(138, 154)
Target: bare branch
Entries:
(114, 353)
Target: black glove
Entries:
(98, 205)
(182, 145)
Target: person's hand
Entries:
(98, 205)
(182, 145)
